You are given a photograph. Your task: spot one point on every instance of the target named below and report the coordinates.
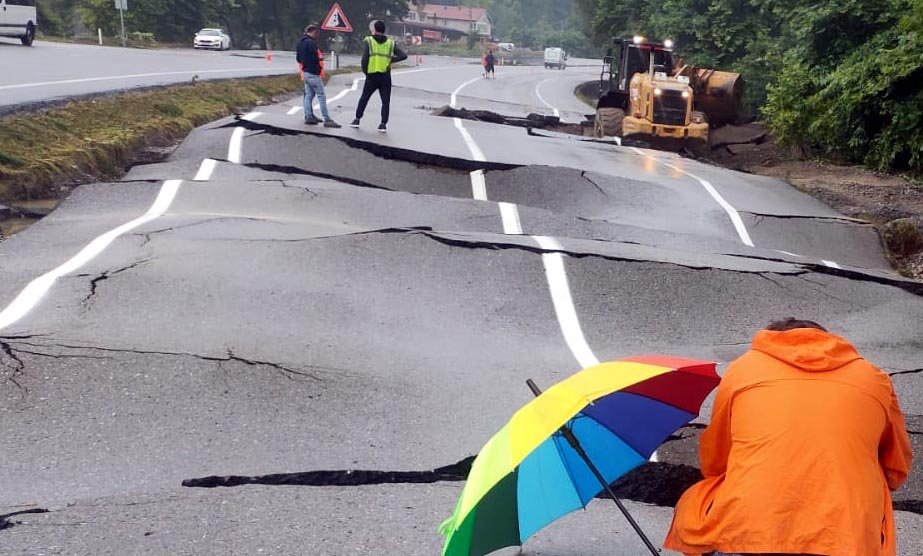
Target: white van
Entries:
(555, 58)
(18, 19)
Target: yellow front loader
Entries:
(642, 96)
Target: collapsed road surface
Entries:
(329, 324)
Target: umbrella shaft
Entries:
(572, 440)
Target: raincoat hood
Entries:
(809, 349)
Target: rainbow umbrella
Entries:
(566, 446)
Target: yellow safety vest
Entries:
(380, 55)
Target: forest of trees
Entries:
(843, 78)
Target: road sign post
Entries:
(121, 6)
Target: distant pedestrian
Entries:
(805, 443)
(489, 61)
(311, 61)
(378, 53)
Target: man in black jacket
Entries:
(378, 53)
(312, 66)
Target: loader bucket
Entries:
(718, 94)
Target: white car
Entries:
(18, 19)
(555, 58)
(212, 39)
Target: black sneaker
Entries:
(382, 128)
(331, 123)
(311, 120)
(355, 123)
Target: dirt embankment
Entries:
(892, 203)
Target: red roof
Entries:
(459, 13)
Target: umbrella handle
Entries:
(575, 444)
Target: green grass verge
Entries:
(43, 154)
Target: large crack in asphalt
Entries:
(6, 523)
(12, 346)
(386, 152)
(657, 483)
(652, 483)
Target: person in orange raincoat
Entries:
(806, 441)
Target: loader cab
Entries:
(628, 57)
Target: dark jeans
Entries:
(380, 82)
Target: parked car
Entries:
(212, 39)
(18, 19)
(555, 58)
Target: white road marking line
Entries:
(789, 253)
(555, 272)
(205, 170)
(235, 147)
(473, 147)
(730, 210)
(831, 264)
(541, 98)
(478, 185)
(30, 296)
(120, 77)
(509, 214)
(454, 98)
(564, 303)
(294, 110)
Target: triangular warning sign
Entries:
(336, 20)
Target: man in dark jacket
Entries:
(378, 53)
(312, 66)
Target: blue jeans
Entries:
(313, 85)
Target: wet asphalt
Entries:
(339, 300)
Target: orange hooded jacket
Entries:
(805, 441)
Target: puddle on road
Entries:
(18, 216)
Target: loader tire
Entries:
(609, 122)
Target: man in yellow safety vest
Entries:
(378, 53)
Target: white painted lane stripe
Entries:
(30, 296)
(478, 185)
(454, 98)
(563, 302)
(120, 77)
(730, 210)
(473, 147)
(235, 147)
(541, 98)
(831, 264)
(294, 110)
(509, 214)
(205, 170)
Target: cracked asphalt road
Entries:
(335, 324)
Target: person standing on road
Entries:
(806, 441)
(378, 53)
(311, 61)
(489, 61)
